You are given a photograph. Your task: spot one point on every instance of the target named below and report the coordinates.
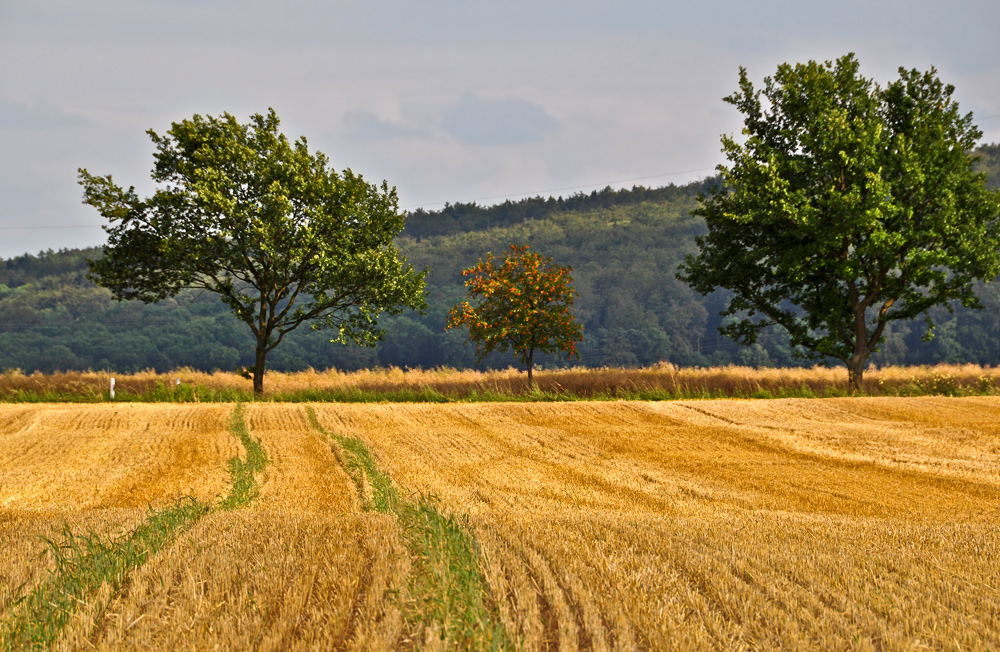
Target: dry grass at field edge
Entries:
(659, 381)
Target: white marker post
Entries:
(111, 392)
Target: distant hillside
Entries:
(989, 162)
(624, 247)
(459, 218)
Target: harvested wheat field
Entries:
(98, 468)
(863, 524)
(300, 567)
(793, 524)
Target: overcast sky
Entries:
(448, 100)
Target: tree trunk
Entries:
(855, 372)
(530, 364)
(260, 362)
(863, 344)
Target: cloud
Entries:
(496, 122)
(470, 121)
(15, 115)
(366, 126)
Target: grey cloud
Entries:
(496, 122)
(362, 125)
(15, 115)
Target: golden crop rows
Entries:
(68, 457)
(798, 524)
(262, 580)
(301, 568)
(865, 524)
(97, 468)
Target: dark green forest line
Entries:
(624, 247)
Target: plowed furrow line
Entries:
(562, 623)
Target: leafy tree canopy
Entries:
(241, 212)
(846, 207)
(523, 304)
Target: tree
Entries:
(848, 206)
(263, 223)
(523, 303)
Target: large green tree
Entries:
(846, 206)
(281, 237)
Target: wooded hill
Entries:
(624, 247)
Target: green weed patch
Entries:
(244, 472)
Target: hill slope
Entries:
(624, 247)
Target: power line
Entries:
(56, 226)
(406, 208)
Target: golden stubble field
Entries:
(863, 523)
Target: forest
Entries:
(624, 247)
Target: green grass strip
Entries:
(84, 562)
(244, 473)
(447, 586)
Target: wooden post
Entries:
(111, 391)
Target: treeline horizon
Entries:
(624, 247)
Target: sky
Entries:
(447, 100)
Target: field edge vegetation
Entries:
(655, 383)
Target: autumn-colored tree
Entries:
(522, 304)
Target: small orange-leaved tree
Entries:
(522, 304)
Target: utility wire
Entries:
(440, 203)
(49, 226)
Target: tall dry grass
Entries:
(660, 381)
(865, 524)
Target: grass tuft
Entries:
(244, 473)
